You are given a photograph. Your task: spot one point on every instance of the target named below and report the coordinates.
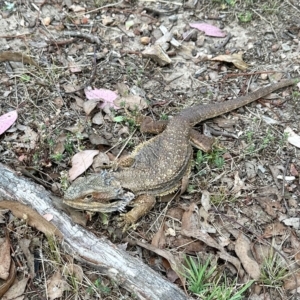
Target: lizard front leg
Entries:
(141, 206)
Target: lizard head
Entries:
(97, 192)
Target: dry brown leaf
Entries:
(132, 102)
(262, 252)
(74, 67)
(271, 207)
(157, 54)
(30, 137)
(238, 185)
(80, 162)
(293, 222)
(159, 238)
(233, 260)
(69, 88)
(190, 219)
(242, 250)
(98, 118)
(10, 280)
(122, 89)
(16, 290)
(190, 245)
(205, 200)
(77, 8)
(275, 229)
(56, 285)
(204, 237)
(22, 211)
(17, 57)
(235, 58)
(290, 282)
(174, 261)
(175, 213)
(293, 138)
(74, 270)
(24, 245)
(293, 170)
(89, 105)
(101, 161)
(5, 259)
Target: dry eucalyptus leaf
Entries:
(157, 54)
(159, 239)
(242, 250)
(56, 285)
(30, 137)
(5, 259)
(69, 88)
(74, 271)
(293, 222)
(290, 282)
(16, 290)
(80, 162)
(25, 244)
(74, 67)
(205, 200)
(235, 58)
(77, 128)
(89, 105)
(293, 138)
(122, 89)
(77, 8)
(98, 118)
(97, 139)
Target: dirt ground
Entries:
(245, 193)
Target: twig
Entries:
(125, 144)
(89, 37)
(266, 21)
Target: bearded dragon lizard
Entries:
(156, 167)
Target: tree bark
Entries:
(129, 272)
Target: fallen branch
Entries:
(129, 272)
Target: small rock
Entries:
(145, 40)
(200, 41)
(285, 47)
(264, 76)
(213, 75)
(107, 21)
(47, 21)
(173, 18)
(275, 47)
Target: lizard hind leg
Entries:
(141, 206)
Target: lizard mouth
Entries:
(103, 204)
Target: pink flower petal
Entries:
(7, 120)
(209, 30)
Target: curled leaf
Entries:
(235, 58)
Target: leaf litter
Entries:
(186, 226)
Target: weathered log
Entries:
(129, 272)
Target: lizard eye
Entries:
(88, 197)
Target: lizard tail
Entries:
(202, 112)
